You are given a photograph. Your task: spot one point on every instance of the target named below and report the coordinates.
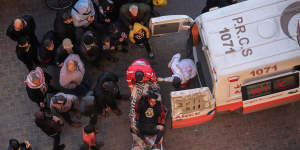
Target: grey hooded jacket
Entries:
(81, 11)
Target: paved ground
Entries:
(274, 129)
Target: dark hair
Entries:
(139, 76)
(88, 39)
(14, 144)
(66, 15)
(23, 40)
(58, 99)
(108, 86)
(47, 43)
(89, 128)
(153, 95)
(84, 147)
(106, 38)
(176, 82)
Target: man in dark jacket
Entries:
(135, 12)
(22, 26)
(106, 92)
(51, 125)
(63, 26)
(38, 85)
(27, 52)
(217, 3)
(108, 12)
(119, 39)
(15, 145)
(150, 115)
(47, 50)
(90, 49)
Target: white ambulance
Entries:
(250, 52)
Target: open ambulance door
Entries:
(191, 107)
(169, 24)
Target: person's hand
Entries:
(57, 119)
(130, 27)
(160, 79)
(160, 127)
(133, 128)
(91, 19)
(42, 105)
(107, 20)
(121, 39)
(112, 48)
(27, 144)
(123, 35)
(51, 82)
(60, 65)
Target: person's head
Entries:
(88, 39)
(59, 100)
(14, 144)
(23, 42)
(48, 44)
(39, 115)
(18, 24)
(84, 147)
(133, 9)
(176, 82)
(67, 45)
(67, 17)
(89, 129)
(139, 76)
(152, 99)
(106, 40)
(71, 65)
(35, 78)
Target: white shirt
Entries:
(185, 69)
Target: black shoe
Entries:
(124, 50)
(151, 55)
(61, 147)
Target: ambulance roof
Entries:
(260, 32)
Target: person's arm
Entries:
(175, 58)
(167, 79)
(162, 117)
(146, 12)
(10, 33)
(129, 79)
(124, 15)
(131, 36)
(74, 100)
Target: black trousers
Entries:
(149, 129)
(145, 42)
(67, 117)
(56, 141)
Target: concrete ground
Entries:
(273, 129)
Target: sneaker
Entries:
(124, 50)
(151, 55)
(61, 147)
(76, 124)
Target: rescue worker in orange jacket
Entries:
(140, 71)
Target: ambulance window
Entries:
(166, 28)
(270, 86)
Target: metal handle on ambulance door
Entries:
(292, 92)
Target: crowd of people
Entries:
(84, 34)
